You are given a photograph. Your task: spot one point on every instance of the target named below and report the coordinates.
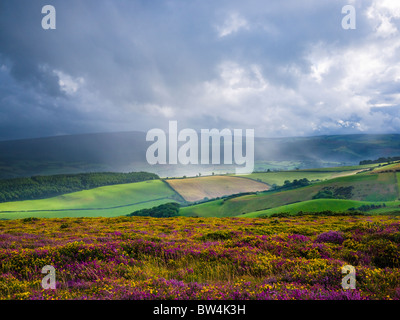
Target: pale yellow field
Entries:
(195, 189)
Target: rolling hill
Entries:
(313, 175)
(229, 196)
(318, 205)
(126, 152)
(365, 187)
(108, 201)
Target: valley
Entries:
(259, 194)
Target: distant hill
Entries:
(340, 148)
(126, 152)
(98, 152)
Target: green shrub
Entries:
(166, 210)
(30, 219)
(218, 235)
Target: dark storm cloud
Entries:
(283, 68)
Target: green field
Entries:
(350, 189)
(318, 205)
(371, 187)
(249, 203)
(104, 201)
(398, 184)
(313, 175)
(279, 178)
(214, 208)
(393, 166)
(365, 187)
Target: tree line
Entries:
(39, 187)
(335, 193)
(380, 160)
(167, 210)
(296, 183)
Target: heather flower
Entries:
(331, 237)
(219, 258)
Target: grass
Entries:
(392, 166)
(398, 184)
(245, 204)
(385, 188)
(195, 189)
(216, 208)
(366, 187)
(318, 205)
(123, 199)
(279, 178)
(319, 174)
(314, 175)
(105, 201)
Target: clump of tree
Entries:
(166, 210)
(380, 160)
(324, 194)
(236, 195)
(324, 213)
(296, 183)
(335, 193)
(39, 187)
(367, 207)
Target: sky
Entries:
(282, 68)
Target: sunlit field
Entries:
(195, 189)
(107, 201)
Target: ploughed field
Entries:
(195, 189)
(298, 257)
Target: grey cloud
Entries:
(144, 62)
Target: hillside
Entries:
(320, 205)
(126, 152)
(365, 187)
(229, 196)
(105, 201)
(313, 175)
(39, 187)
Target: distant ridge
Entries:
(126, 152)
